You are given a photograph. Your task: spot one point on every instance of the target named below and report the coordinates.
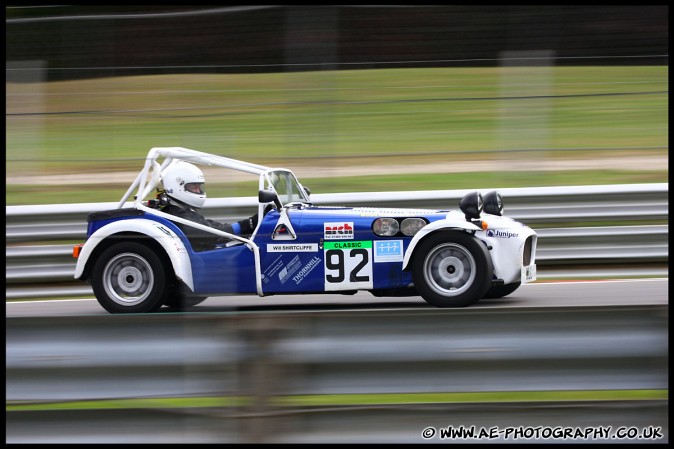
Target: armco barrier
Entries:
(554, 212)
(363, 376)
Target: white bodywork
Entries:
(171, 243)
(504, 237)
(507, 237)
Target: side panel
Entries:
(361, 260)
(225, 270)
(160, 232)
(289, 265)
(333, 251)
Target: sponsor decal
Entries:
(289, 269)
(308, 268)
(388, 251)
(347, 245)
(164, 230)
(376, 212)
(338, 231)
(292, 248)
(501, 234)
(273, 268)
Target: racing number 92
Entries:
(338, 266)
(348, 268)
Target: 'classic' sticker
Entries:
(348, 265)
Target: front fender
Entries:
(453, 220)
(507, 240)
(174, 247)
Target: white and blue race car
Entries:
(137, 259)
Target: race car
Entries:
(138, 259)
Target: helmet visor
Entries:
(195, 187)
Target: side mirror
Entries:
(306, 189)
(267, 196)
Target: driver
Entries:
(184, 188)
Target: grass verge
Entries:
(365, 399)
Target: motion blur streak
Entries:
(367, 99)
(332, 377)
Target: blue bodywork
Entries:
(333, 249)
(324, 257)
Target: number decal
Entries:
(354, 277)
(348, 266)
(332, 266)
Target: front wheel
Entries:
(452, 269)
(128, 277)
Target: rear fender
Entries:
(169, 241)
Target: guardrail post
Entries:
(261, 376)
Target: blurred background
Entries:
(352, 98)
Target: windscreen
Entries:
(286, 186)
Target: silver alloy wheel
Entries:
(128, 279)
(449, 269)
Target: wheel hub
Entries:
(451, 269)
(128, 279)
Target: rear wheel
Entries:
(128, 277)
(451, 269)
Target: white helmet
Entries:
(184, 182)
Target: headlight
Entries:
(385, 227)
(493, 203)
(411, 226)
(471, 205)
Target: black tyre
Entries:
(452, 269)
(180, 301)
(129, 277)
(499, 291)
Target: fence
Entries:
(125, 41)
(554, 212)
(361, 376)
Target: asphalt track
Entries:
(538, 294)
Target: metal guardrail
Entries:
(343, 376)
(31, 263)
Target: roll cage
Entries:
(275, 184)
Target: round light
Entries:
(411, 226)
(471, 205)
(385, 227)
(493, 203)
